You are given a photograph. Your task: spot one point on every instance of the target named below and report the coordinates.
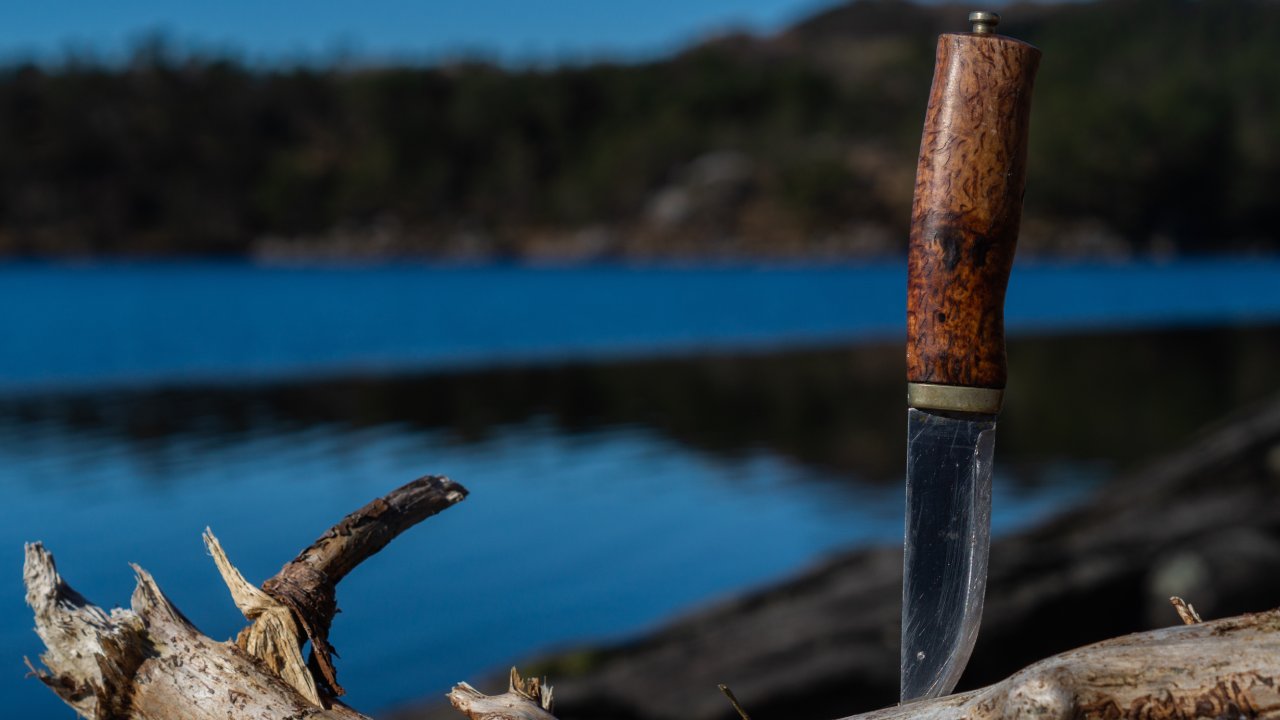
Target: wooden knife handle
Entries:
(968, 202)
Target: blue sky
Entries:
(291, 30)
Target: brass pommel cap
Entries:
(983, 22)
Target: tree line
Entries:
(1154, 128)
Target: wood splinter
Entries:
(1185, 610)
(524, 700)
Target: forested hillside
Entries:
(1156, 128)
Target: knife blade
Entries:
(964, 228)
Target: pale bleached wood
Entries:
(524, 700)
(1222, 669)
(1227, 669)
(150, 663)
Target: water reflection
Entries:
(1112, 397)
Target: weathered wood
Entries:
(307, 584)
(1229, 668)
(967, 208)
(151, 663)
(524, 700)
(1223, 669)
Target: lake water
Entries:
(97, 325)
(140, 403)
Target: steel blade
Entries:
(948, 533)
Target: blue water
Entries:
(568, 537)
(97, 325)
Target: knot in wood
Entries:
(307, 590)
(1040, 697)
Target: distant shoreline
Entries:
(798, 143)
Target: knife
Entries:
(964, 226)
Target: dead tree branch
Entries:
(307, 584)
(150, 663)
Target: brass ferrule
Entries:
(955, 398)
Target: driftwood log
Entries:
(1227, 669)
(150, 663)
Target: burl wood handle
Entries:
(968, 201)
